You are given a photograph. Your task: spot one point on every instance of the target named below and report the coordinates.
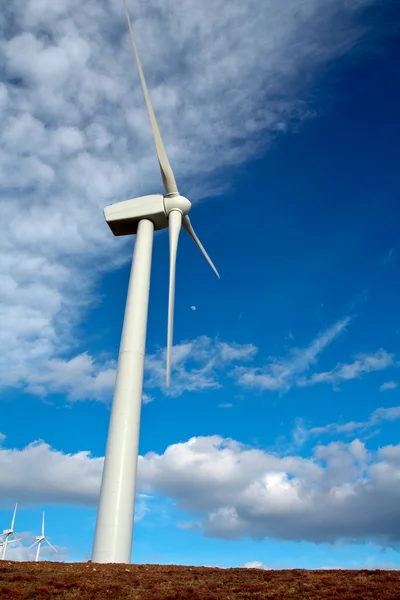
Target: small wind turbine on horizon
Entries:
(140, 216)
(7, 533)
(39, 540)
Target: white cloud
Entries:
(232, 352)
(224, 79)
(386, 414)
(38, 474)
(388, 385)
(79, 378)
(233, 491)
(280, 374)
(193, 308)
(238, 491)
(301, 433)
(196, 364)
(364, 363)
(146, 399)
(255, 564)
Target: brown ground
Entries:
(88, 581)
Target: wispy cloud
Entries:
(280, 374)
(364, 363)
(301, 433)
(147, 398)
(389, 258)
(202, 364)
(197, 364)
(388, 385)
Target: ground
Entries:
(89, 581)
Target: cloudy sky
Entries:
(277, 444)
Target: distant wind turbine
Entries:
(140, 216)
(7, 533)
(39, 540)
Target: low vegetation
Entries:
(89, 581)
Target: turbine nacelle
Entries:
(8, 532)
(123, 217)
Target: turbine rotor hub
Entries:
(177, 203)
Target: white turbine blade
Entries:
(11, 541)
(187, 226)
(16, 540)
(32, 545)
(174, 226)
(13, 519)
(43, 524)
(166, 171)
(51, 545)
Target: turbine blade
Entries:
(16, 540)
(51, 545)
(43, 524)
(13, 519)
(166, 171)
(187, 226)
(174, 226)
(32, 545)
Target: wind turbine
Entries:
(39, 540)
(140, 216)
(7, 533)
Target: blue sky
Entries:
(277, 444)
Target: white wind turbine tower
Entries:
(39, 540)
(140, 216)
(7, 533)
